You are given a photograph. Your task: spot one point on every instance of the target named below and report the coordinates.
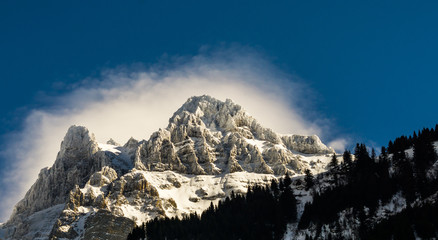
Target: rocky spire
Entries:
(76, 161)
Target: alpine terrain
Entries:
(210, 150)
(215, 173)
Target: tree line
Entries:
(263, 213)
(362, 184)
(370, 181)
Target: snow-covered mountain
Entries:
(209, 149)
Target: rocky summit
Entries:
(209, 149)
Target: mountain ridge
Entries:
(213, 142)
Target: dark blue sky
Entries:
(373, 64)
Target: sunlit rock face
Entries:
(209, 149)
(78, 157)
(208, 136)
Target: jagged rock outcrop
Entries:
(103, 177)
(105, 226)
(108, 195)
(208, 136)
(76, 161)
(306, 144)
(112, 142)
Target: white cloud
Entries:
(126, 102)
(339, 145)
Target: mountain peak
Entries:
(75, 162)
(204, 101)
(209, 136)
(78, 141)
(214, 114)
(206, 105)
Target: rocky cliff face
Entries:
(79, 156)
(209, 149)
(207, 136)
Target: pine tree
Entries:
(373, 155)
(309, 179)
(390, 147)
(347, 158)
(414, 138)
(288, 202)
(424, 157)
(287, 180)
(383, 155)
(424, 152)
(274, 188)
(334, 161)
(361, 153)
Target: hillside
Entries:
(361, 196)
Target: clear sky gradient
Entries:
(372, 64)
